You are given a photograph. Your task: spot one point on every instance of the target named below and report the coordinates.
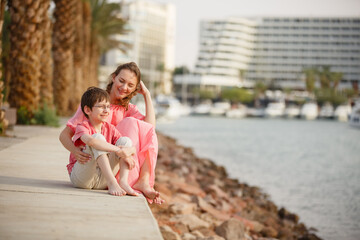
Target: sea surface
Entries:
(312, 168)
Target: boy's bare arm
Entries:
(98, 144)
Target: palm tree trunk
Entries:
(94, 64)
(46, 77)
(87, 40)
(3, 122)
(63, 39)
(78, 52)
(25, 40)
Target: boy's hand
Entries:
(80, 156)
(126, 152)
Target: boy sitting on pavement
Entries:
(108, 149)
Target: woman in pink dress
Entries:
(125, 83)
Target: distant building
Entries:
(242, 51)
(151, 39)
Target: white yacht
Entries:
(219, 108)
(342, 113)
(255, 112)
(354, 119)
(309, 111)
(326, 111)
(238, 112)
(275, 109)
(202, 108)
(292, 111)
(168, 107)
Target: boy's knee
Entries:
(99, 136)
(124, 141)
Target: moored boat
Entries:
(309, 111)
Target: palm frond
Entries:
(107, 22)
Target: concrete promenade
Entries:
(37, 200)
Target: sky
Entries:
(190, 12)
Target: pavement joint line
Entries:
(103, 195)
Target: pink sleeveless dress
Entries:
(130, 124)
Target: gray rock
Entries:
(169, 234)
(231, 229)
(191, 220)
(182, 208)
(188, 236)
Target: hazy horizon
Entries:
(190, 13)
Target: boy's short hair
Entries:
(91, 96)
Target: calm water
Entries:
(310, 167)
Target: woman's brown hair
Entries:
(131, 66)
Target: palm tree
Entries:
(63, 40)
(78, 54)
(46, 76)
(335, 79)
(325, 77)
(24, 57)
(106, 22)
(329, 79)
(310, 78)
(3, 122)
(241, 74)
(87, 19)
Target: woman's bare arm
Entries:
(65, 139)
(150, 112)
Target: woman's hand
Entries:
(143, 89)
(80, 156)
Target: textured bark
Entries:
(46, 77)
(3, 122)
(87, 40)
(24, 57)
(94, 64)
(78, 52)
(63, 40)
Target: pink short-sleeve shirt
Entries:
(109, 131)
(117, 114)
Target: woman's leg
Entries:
(144, 140)
(143, 183)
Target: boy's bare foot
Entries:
(127, 188)
(116, 190)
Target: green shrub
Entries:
(331, 95)
(23, 116)
(237, 95)
(43, 116)
(46, 116)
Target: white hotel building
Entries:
(151, 40)
(242, 51)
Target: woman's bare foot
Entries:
(116, 190)
(148, 191)
(127, 188)
(159, 200)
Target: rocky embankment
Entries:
(203, 203)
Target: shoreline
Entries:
(202, 202)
